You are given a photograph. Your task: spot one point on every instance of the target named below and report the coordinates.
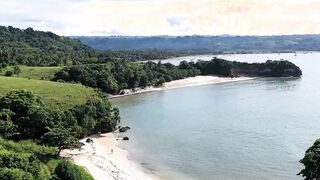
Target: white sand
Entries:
(201, 80)
(103, 164)
(187, 82)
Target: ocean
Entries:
(255, 129)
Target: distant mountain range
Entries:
(205, 43)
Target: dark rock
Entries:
(89, 140)
(125, 138)
(124, 129)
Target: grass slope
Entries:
(43, 73)
(56, 95)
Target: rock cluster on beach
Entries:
(124, 129)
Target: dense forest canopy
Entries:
(206, 44)
(122, 74)
(24, 117)
(39, 48)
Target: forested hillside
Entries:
(207, 44)
(39, 48)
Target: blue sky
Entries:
(164, 17)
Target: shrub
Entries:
(8, 73)
(68, 171)
(14, 174)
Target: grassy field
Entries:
(56, 95)
(43, 73)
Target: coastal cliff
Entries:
(268, 69)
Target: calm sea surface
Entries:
(256, 129)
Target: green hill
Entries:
(56, 95)
(39, 48)
(31, 72)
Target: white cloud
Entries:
(159, 17)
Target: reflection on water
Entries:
(284, 84)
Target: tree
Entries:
(16, 70)
(61, 138)
(7, 128)
(311, 161)
(160, 81)
(20, 102)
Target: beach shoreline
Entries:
(186, 82)
(103, 159)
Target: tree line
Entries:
(122, 74)
(116, 75)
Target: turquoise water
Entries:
(256, 129)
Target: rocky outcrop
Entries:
(89, 140)
(124, 129)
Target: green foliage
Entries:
(24, 160)
(24, 115)
(97, 115)
(14, 174)
(28, 160)
(120, 74)
(216, 66)
(16, 69)
(56, 95)
(68, 171)
(39, 48)
(60, 137)
(8, 73)
(311, 162)
(233, 68)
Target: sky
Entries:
(164, 17)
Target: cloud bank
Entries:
(164, 17)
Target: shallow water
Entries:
(256, 129)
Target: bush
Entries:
(16, 69)
(8, 73)
(14, 174)
(68, 171)
(311, 161)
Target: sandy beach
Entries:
(105, 160)
(187, 82)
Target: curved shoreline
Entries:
(105, 160)
(187, 82)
